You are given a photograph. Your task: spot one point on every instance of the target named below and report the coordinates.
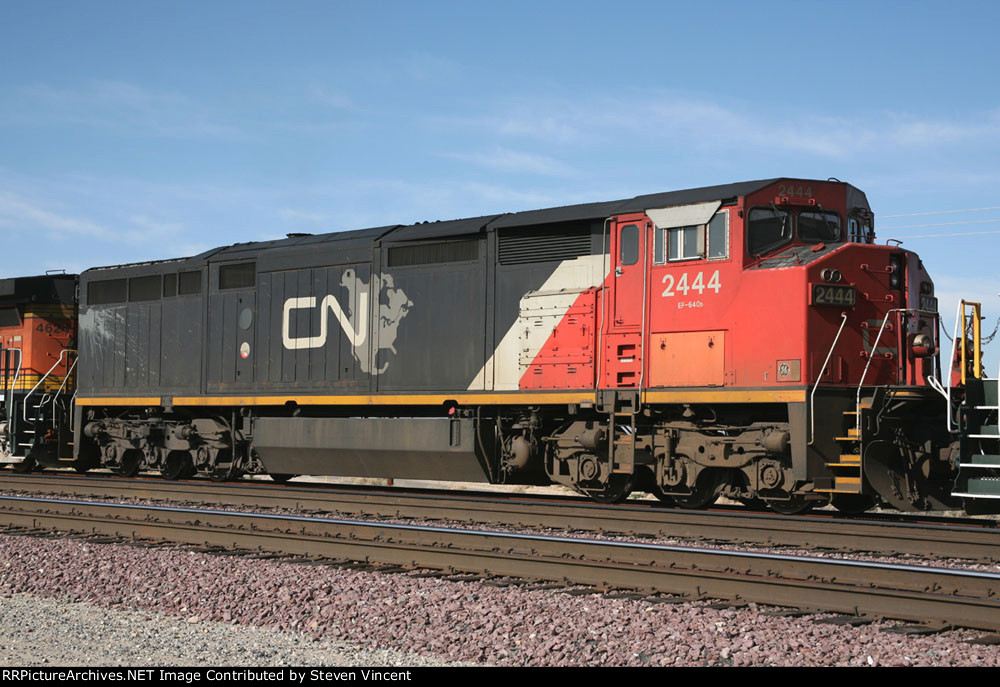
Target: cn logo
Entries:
(355, 336)
(393, 305)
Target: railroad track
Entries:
(937, 539)
(934, 596)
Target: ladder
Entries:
(622, 432)
(978, 461)
(978, 480)
(848, 477)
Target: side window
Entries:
(238, 276)
(144, 288)
(170, 285)
(107, 291)
(859, 231)
(686, 243)
(629, 248)
(188, 283)
(718, 236)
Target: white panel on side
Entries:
(570, 276)
(684, 215)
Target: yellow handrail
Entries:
(977, 343)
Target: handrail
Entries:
(62, 353)
(885, 320)
(66, 377)
(857, 400)
(606, 259)
(812, 396)
(17, 373)
(977, 352)
(959, 328)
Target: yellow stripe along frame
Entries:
(464, 398)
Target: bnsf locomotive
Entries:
(748, 340)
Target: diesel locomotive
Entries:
(748, 340)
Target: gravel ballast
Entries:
(36, 631)
(317, 608)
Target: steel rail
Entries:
(914, 537)
(936, 596)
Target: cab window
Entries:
(818, 226)
(767, 228)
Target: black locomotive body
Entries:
(353, 354)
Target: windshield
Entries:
(767, 228)
(819, 225)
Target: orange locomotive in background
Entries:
(38, 328)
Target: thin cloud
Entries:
(303, 216)
(331, 98)
(701, 123)
(16, 211)
(116, 105)
(506, 160)
(31, 215)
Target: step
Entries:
(981, 488)
(844, 485)
(990, 392)
(988, 432)
(980, 461)
(852, 460)
(854, 438)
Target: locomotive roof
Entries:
(473, 225)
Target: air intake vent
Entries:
(520, 246)
(445, 251)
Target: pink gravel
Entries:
(455, 620)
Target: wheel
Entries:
(662, 497)
(707, 489)
(853, 504)
(615, 491)
(178, 465)
(793, 506)
(131, 462)
(281, 477)
(222, 474)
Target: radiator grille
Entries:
(423, 254)
(520, 246)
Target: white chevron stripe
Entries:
(502, 371)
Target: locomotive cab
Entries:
(775, 320)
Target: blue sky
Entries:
(142, 130)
